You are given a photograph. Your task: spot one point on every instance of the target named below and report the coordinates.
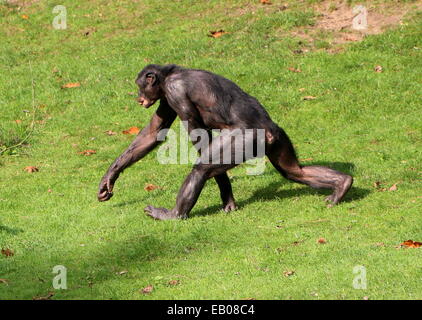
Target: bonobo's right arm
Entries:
(144, 142)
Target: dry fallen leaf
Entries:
(309, 98)
(18, 121)
(7, 252)
(5, 281)
(292, 69)
(131, 130)
(71, 85)
(24, 16)
(147, 289)
(150, 187)
(110, 133)
(411, 244)
(321, 241)
(31, 169)
(174, 282)
(288, 273)
(217, 34)
(47, 297)
(393, 187)
(122, 272)
(88, 152)
(265, 1)
(378, 69)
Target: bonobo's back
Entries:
(223, 97)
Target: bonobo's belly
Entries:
(212, 119)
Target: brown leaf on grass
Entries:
(147, 290)
(393, 187)
(411, 244)
(292, 69)
(18, 121)
(150, 187)
(309, 98)
(88, 152)
(288, 273)
(265, 2)
(47, 297)
(24, 16)
(378, 69)
(71, 85)
(110, 133)
(174, 282)
(5, 281)
(7, 252)
(307, 159)
(296, 243)
(377, 184)
(131, 130)
(217, 34)
(321, 241)
(122, 272)
(31, 169)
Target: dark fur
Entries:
(209, 101)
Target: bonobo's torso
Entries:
(212, 101)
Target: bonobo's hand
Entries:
(105, 191)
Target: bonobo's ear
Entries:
(151, 78)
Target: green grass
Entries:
(362, 122)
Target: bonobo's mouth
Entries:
(147, 103)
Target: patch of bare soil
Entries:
(338, 23)
(19, 3)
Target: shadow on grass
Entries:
(13, 231)
(270, 192)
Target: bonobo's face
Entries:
(149, 88)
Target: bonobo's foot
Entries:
(339, 192)
(161, 213)
(230, 206)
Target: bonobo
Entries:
(208, 101)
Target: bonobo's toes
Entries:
(231, 206)
(159, 213)
(330, 198)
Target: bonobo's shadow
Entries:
(270, 191)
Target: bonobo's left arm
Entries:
(144, 142)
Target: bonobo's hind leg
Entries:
(226, 192)
(189, 192)
(211, 164)
(282, 155)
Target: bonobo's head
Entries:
(148, 82)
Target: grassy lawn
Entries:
(362, 122)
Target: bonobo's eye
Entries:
(150, 78)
